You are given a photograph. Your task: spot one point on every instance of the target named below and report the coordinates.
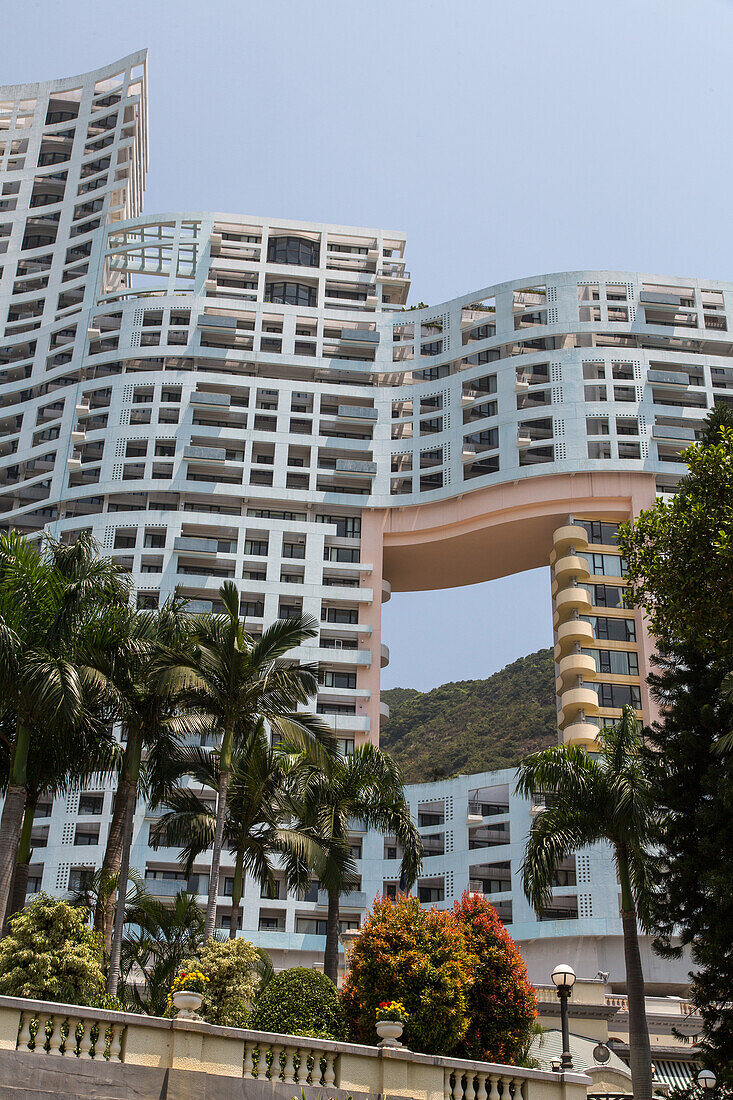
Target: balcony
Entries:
(676, 379)
(569, 568)
(670, 433)
(366, 337)
(384, 655)
(357, 413)
(196, 545)
(572, 632)
(570, 600)
(580, 733)
(572, 666)
(209, 400)
(570, 536)
(576, 700)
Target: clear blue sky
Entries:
(507, 139)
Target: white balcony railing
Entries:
(95, 1050)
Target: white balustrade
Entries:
(67, 1033)
(78, 1034)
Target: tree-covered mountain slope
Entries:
(473, 725)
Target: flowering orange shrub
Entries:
(416, 956)
(502, 1005)
(457, 973)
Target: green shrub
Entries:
(233, 971)
(51, 954)
(299, 1002)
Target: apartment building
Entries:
(215, 396)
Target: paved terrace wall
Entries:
(51, 1050)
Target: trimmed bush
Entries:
(299, 1002)
(458, 974)
(233, 969)
(51, 954)
(502, 1005)
(418, 957)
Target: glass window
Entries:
(614, 630)
(605, 595)
(617, 695)
(615, 662)
(607, 565)
(293, 250)
(599, 532)
(292, 294)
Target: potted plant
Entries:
(187, 993)
(391, 1019)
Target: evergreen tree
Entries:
(680, 570)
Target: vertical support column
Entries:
(576, 701)
(371, 616)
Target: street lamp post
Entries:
(707, 1081)
(563, 977)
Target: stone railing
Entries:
(71, 1051)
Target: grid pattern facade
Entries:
(216, 396)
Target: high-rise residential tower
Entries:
(218, 396)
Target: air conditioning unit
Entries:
(94, 333)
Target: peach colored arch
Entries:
(486, 534)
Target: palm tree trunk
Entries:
(640, 1054)
(331, 954)
(225, 762)
(113, 976)
(11, 821)
(236, 896)
(22, 863)
(126, 792)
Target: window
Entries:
(345, 615)
(615, 662)
(618, 695)
(271, 924)
(293, 250)
(612, 630)
(291, 294)
(332, 679)
(346, 526)
(599, 532)
(607, 565)
(91, 803)
(605, 595)
(80, 878)
(429, 894)
(86, 835)
(256, 547)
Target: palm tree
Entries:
(257, 804)
(160, 938)
(49, 598)
(592, 800)
(155, 725)
(237, 679)
(55, 763)
(364, 787)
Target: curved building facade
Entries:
(216, 396)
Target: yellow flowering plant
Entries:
(193, 981)
(392, 1010)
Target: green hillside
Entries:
(473, 725)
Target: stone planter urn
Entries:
(390, 1031)
(188, 1004)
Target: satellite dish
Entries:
(601, 1054)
